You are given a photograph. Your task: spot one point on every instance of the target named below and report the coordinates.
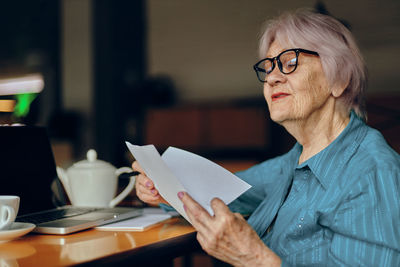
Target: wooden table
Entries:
(154, 247)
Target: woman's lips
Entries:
(279, 95)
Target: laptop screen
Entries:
(27, 167)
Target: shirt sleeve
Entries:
(366, 226)
(263, 179)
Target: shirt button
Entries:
(299, 225)
(301, 219)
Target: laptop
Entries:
(28, 170)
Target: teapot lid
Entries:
(92, 162)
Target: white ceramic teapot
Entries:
(93, 182)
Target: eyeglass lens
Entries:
(287, 63)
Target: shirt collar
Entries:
(327, 163)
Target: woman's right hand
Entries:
(145, 189)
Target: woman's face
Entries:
(298, 95)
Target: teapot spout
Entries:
(62, 175)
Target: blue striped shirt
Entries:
(339, 208)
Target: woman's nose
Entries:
(275, 77)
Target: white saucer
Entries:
(17, 229)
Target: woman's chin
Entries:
(279, 116)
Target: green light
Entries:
(23, 104)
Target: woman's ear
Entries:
(338, 89)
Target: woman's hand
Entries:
(227, 236)
(145, 189)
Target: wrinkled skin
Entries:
(226, 235)
(145, 189)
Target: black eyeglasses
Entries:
(286, 60)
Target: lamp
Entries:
(25, 88)
(31, 83)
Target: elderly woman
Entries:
(333, 199)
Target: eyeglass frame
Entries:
(279, 63)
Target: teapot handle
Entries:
(127, 189)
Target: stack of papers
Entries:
(179, 170)
(150, 217)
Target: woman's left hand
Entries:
(226, 235)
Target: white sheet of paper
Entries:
(164, 180)
(149, 218)
(202, 178)
(179, 170)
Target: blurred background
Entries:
(174, 73)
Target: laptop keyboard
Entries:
(53, 215)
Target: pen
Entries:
(128, 175)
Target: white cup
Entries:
(9, 206)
